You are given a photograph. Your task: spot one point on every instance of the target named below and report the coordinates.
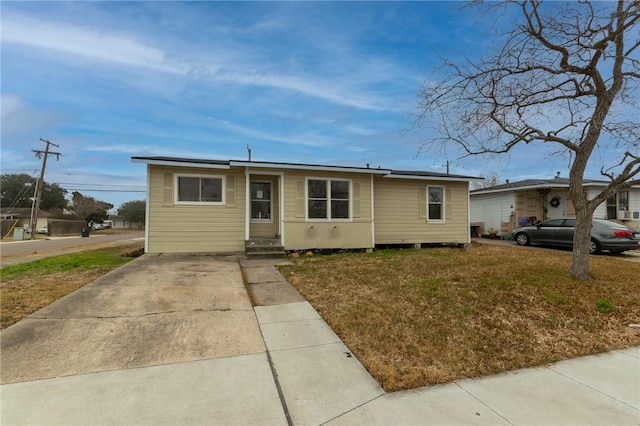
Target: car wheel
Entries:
(523, 239)
(594, 247)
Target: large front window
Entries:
(328, 199)
(199, 189)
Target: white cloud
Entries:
(125, 50)
(86, 42)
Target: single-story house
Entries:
(196, 205)
(20, 217)
(502, 208)
(119, 222)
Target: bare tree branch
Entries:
(560, 76)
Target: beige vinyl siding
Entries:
(194, 228)
(300, 233)
(400, 216)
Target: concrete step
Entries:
(264, 248)
(266, 254)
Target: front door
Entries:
(556, 202)
(264, 208)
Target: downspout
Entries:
(247, 204)
(281, 202)
(373, 227)
(147, 210)
(469, 214)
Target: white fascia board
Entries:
(307, 167)
(520, 188)
(436, 178)
(182, 164)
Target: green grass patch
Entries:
(27, 287)
(68, 262)
(604, 306)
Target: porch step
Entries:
(264, 248)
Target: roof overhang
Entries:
(293, 166)
(180, 163)
(225, 165)
(433, 178)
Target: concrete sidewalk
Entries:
(299, 372)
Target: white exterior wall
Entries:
(492, 209)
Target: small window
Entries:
(192, 189)
(328, 199)
(569, 223)
(435, 203)
(623, 200)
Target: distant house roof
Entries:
(226, 164)
(557, 182)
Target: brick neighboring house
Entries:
(512, 204)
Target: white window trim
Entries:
(176, 188)
(328, 219)
(270, 220)
(443, 211)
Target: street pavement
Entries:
(15, 252)
(175, 340)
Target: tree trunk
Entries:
(581, 241)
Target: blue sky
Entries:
(322, 83)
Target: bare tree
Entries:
(565, 75)
(491, 179)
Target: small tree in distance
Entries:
(491, 179)
(566, 76)
(88, 208)
(133, 211)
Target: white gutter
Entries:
(541, 186)
(520, 188)
(307, 167)
(435, 178)
(182, 164)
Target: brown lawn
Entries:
(421, 317)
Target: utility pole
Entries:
(40, 184)
(448, 164)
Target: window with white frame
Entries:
(435, 203)
(328, 198)
(261, 201)
(195, 189)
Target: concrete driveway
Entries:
(155, 310)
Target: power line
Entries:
(99, 184)
(105, 190)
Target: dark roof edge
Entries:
(228, 163)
